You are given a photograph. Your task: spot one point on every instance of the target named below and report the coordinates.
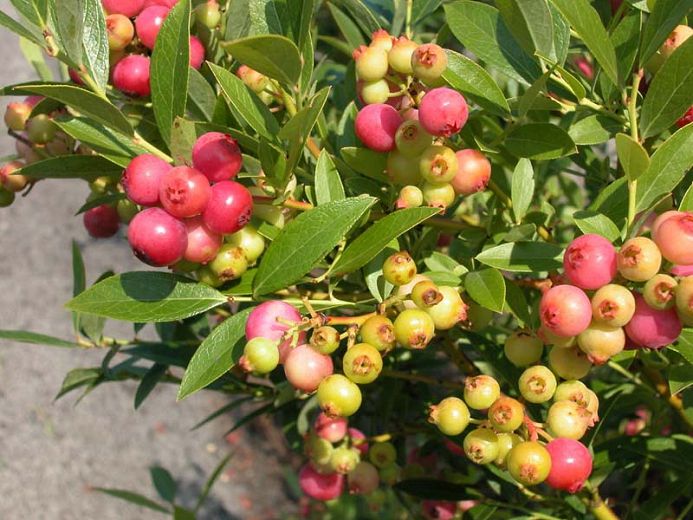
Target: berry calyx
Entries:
(537, 384)
(438, 195)
(425, 294)
(338, 396)
(229, 207)
(184, 192)
(565, 310)
(506, 414)
(660, 292)
(362, 363)
(443, 112)
(523, 348)
(473, 172)
(481, 446)
(325, 339)
(218, 156)
(613, 305)
(376, 126)
(590, 261)
(157, 238)
(529, 463)
(414, 328)
(399, 268)
(573, 390)
(639, 259)
(411, 139)
(378, 331)
(451, 416)
(571, 464)
(102, 221)
(305, 368)
(438, 164)
(480, 392)
(260, 355)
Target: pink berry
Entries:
(674, 237)
(376, 126)
(571, 464)
(565, 310)
(229, 207)
(305, 368)
(129, 8)
(590, 261)
(473, 172)
(217, 156)
(686, 118)
(165, 3)
(320, 486)
(443, 112)
(438, 510)
(142, 177)
(131, 75)
(102, 221)
(157, 238)
(148, 24)
(358, 440)
(682, 270)
(332, 429)
(203, 245)
(652, 328)
(184, 192)
(660, 220)
(264, 321)
(197, 52)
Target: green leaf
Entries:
(149, 382)
(349, 29)
(70, 28)
(561, 36)
(183, 137)
(34, 338)
(110, 198)
(612, 201)
(472, 80)
(169, 68)
(361, 14)
(530, 23)
(163, 481)
(147, 296)
(78, 378)
(29, 32)
(134, 498)
(516, 302)
(522, 190)
(328, 185)
(687, 200)
(87, 167)
(626, 39)
(523, 257)
(432, 489)
(684, 345)
(670, 93)
(680, 377)
(668, 166)
(37, 57)
(531, 95)
(592, 222)
(366, 162)
(246, 103)
(222, 411)
(540, 141)
(272, 55)
(211, 480)
(220, 351)
(487, 288)
(306, 240)
(662, 20)
(95, 43)
(201, 96)
(585, 20)
(632, 156)
(481, 29)
(594, 129)
(372, 241)
(85, 102)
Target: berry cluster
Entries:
(412, 117)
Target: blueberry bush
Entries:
(446, 245)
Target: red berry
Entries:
(102, 221)
(565, 310)
(184, 192)
(217, 156)
(652, 328)
(197, 52)
(157, 238)
(682, 270)
(142, 177)
(320, 486)
(376, 126)
(333, 429)
(685, 118)
(229, 208)
(443, 112)
(584, 66)
(674, 237)
(129, 8)
(305, 368)
(120, 31)
(131, 75)
(165, 3)
(571, 464)
(203, 245)
(590, 261)
(148, 24)
(473, 172)
(264, 321)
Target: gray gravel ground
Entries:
(51, 452)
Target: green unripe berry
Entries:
(248, 239)
(6, 197)
(344, 459)
(613, 305)
(411, 139)
(379, 332)
(425, 294)
(373, 92)
(126, 210)
(230, 263)
(481, 446)
(382, 454)
(428, 62)
(438, 164)
(550, 338)
(573, 390)
(362, 363)
(414, 328)
(480, 392)
(438, 195)
(409, 197)
(506, 442)
(506, 414)
(601, 342)
(399, 57)
(208, 14)
(529, 463)
(40, 129)
(537, 384)
(451, 416)
(325, 339)
(206, 276)
(371, 63)
(660, 292)
(317, 449)
(260, 355)
(449, 311)
(523, 348)
(401, 169)
(338, 396)
(391, 474)
(568, 419)
(399, 268)
(569, 363)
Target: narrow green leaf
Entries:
(680, 377)
(211, 480)
(134, 498)
(220, 351)
(24, 30)
(522, 189)
(632, 156)
(349, 29)
(540, 141)
(487, 288)
(163, 481)
(87, 167)
(626, 40)
(201, 96)
(36, 56)
(687, 200)
(149, 382)
(561, 36)
(34, 338)
(328, 185)
(662, 20)
(612, 201)
(472, 80)
(361, 14)
(306, 240)
(79, 377)
(372, 241)
(183, 137)
(366, 162)
(70, 28)
(592, 222)
(516, 302)
(523, 257)
(272, 55)
(593, 129)
(530, 23)
(95, 43)
(147, 296)
(111, 198)
(221, 411)
(532, 94)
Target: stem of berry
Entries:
(407, 22)
(599, 508)
(633, 119)
(348, 320)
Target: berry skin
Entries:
(684, 300)
(319, 451)
(400, 55)
(40, 129)
(573, 390)
(443, 112)
(506, 442)
(451, 416)
(639, 259)
(428, 62)
(254, 80)
(16, 115)
(659, 221)
(569, 363)
(332, 429)
(129, 8)
(652, 328)
(506, 414)
(686, 119)
(203, 245)
(229, 263)
(6, 197)
(120, 31)
(681, 270)
(131, 75)
(229, 208)
(382, 454)
(613, 305)
(376, 126)
(197, 53)
(364, 479)
(248, 239)
(425, 294)
(382, 40)
(414, 328)
(102, 221)
(373, 92)
(142, 177)
(148, 24)
(319, 486)
(601, 342)
(473, 172)
(379, 332)
(571, 464)
(126, 210)
(565, 310)
(411, 139)
(263, 321)
(590, 262)
(409, 197)
(403, 170)
(481, 446)
(206, 276)
(549, 338)
(362, 363)
(344, 459)
(218, 156)
(537, 384)
(11, 181)
(399, 268)
(450, 311)
(184, 192)
(338, 396)
(438, 164)
(677, 37)
(325, 339)
(480, 392)
(674, 238)
(208, 14)
(371, 63)
(523, 348)
(438, 195)
(260, 355)
(305, 368)
(157, 238)
(358, 440)
(568, 419)
(660, 292)
(529, 463)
